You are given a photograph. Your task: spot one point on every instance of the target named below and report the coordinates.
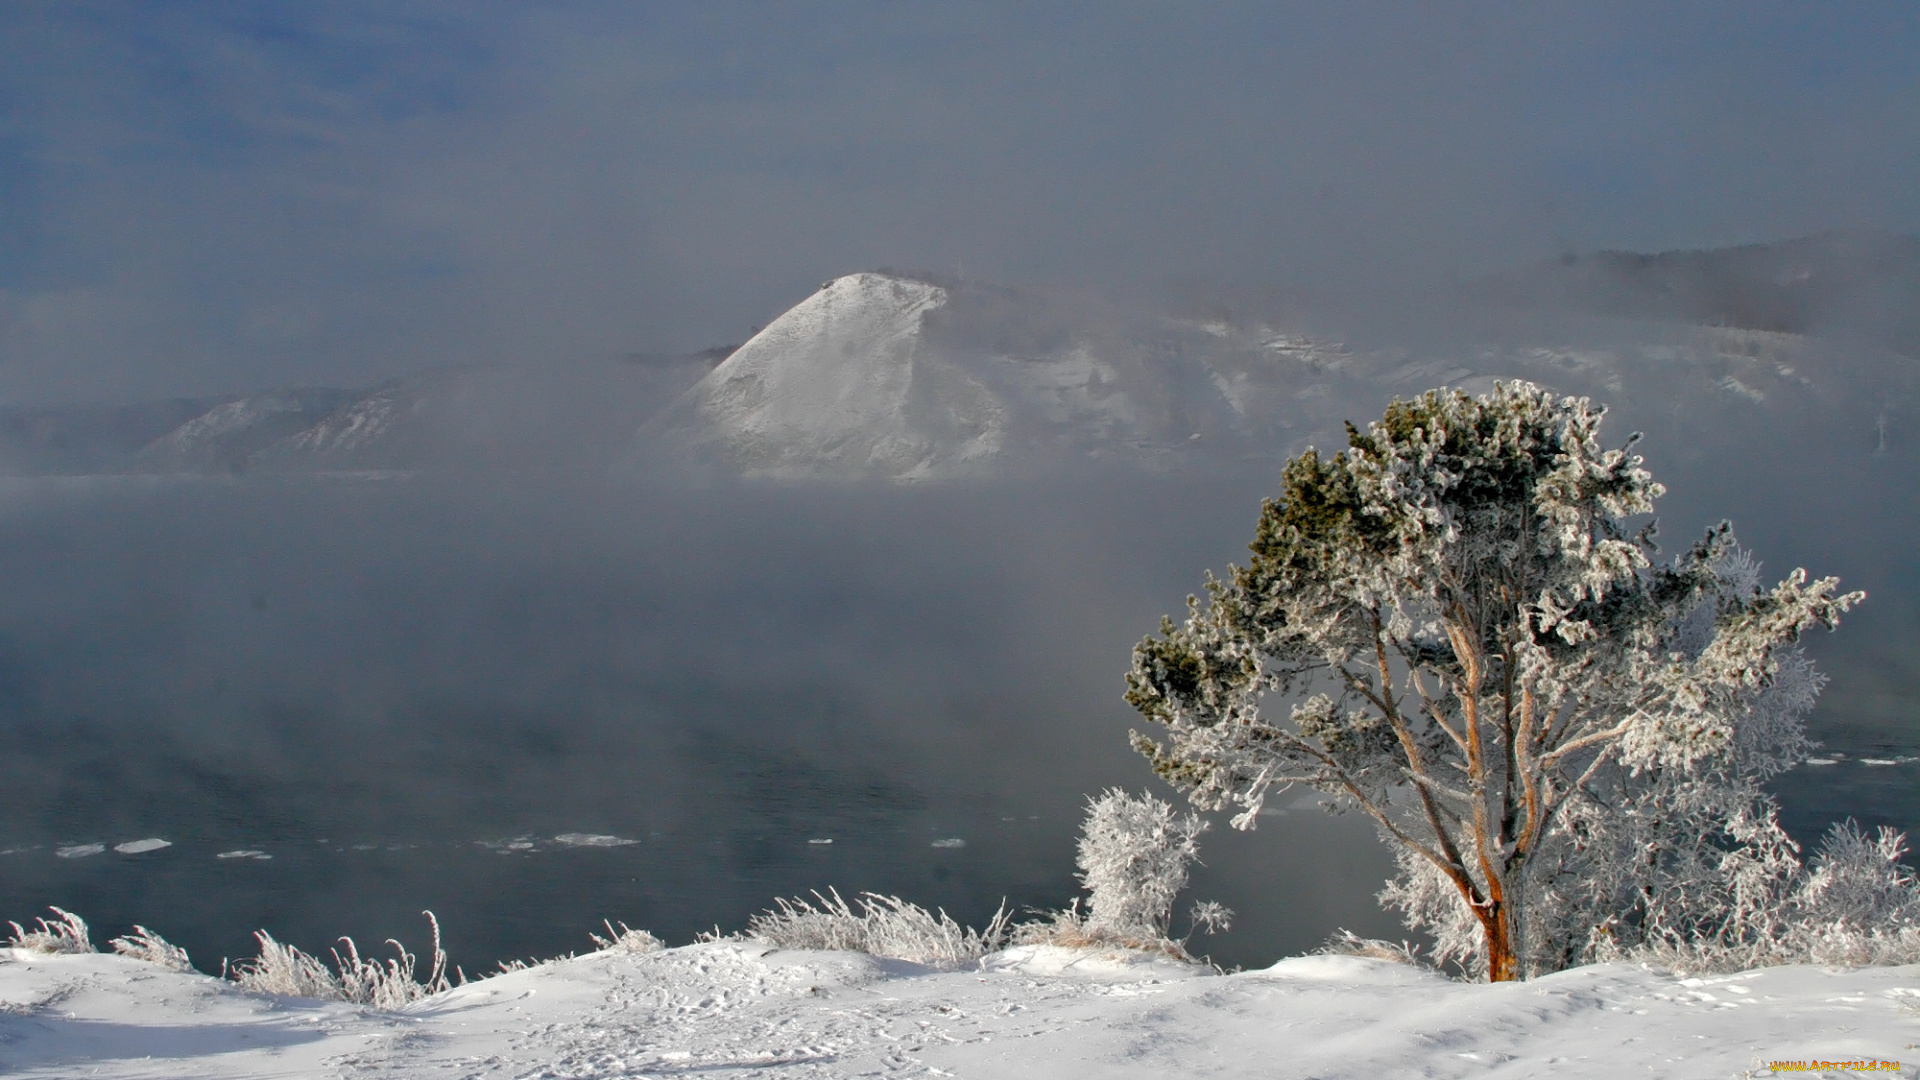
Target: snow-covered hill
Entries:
(847, 382)
(885, 376)
(739, 1010)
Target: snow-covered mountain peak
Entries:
(853, 307)
(844, 383)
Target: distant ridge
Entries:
(1863, 284)
(458, 419)
(910, 377)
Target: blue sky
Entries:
(203, 196)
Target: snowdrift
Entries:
(734, 1009)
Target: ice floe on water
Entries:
(79, 851)
(139, 847)
(243, 853)
(950, 842)
(580, 839)
(821, 840)
(518, 845)
(1868, 762)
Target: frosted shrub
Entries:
(67, 934)
(1856, 903)
(144, 944)
(1134, 855)
(878, 925)
(1859, 881)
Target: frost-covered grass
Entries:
(1838, 944)
(66, 934)
(627, 939)
(1347, 943)
(1072, 928)
(284, 969)
(884, 926)
(144, 944)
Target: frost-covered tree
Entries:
(1562, 738)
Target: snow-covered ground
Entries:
(735, 1009)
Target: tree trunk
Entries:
(1503, 963)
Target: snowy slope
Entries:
(495, 419)
(230, 435)
(731, 1009)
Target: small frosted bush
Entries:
(878, 925)
(1854, 904)
(67, 934)
(1860, 881)
(1134, 856)
(1858, 904)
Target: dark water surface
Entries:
(534, 705)
(403, 692)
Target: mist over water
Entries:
(393, 688)
(425, 693)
